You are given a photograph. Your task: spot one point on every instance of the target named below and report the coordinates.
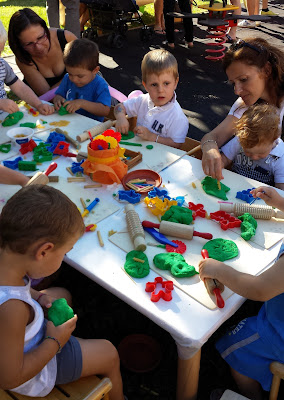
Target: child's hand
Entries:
(8, 106)
(45, 109)
(269, 195)
(58, 101)
(145, 134)
(61, 332)
(73, 105)
(122, 125)
(210, 268)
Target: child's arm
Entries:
(225, 160)
(16, 366)
(259, 288)
(270, 196)
(25, 93)
(98, 109)
(8, 106)
(145, 134)
(122, 124)
(11, 177)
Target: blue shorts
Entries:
(69, 362)
(245, 351)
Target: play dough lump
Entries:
(248, 226)
(60, 312)
(210, 186)
(180, 215)
(13, 119)
(135, 268)
(175, 263)
(221, 249)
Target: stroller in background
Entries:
(113, 16)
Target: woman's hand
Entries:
(8, 106)
(61, 332)
(45, 109)
(212, 163)
(145, 134)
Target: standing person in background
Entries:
(232, 32)
(159, 26)
(265, 10)
(72, 17)
(253, 9)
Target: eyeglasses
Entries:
(39, 40)
(241, 43)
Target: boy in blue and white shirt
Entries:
(257, 150)
(82, 90)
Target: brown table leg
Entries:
(187, 377)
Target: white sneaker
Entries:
(245, 24)
(257, 23)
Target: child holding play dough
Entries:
(159, 115)
(38, 226)
(82, 90)
(8, 77)
(257, 150)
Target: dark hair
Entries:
(38, 212)
(81, 53)
(259, 52)
(20, 21)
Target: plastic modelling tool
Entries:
(165, 294)
(90, 207)
(258, 212)
(135, 228)
(159, 236)
(256, 198)
(42, 177)
(213, 286)
(177, 230)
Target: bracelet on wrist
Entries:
(39, 296)
(208, 141)
(157, 138)
(56, 340)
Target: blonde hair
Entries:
(259, 124)
(157, 62)
(3, 33)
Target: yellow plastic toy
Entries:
(158, 206)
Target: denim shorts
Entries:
(69, 362)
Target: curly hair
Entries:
(258, 52)
(259, 124)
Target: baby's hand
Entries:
(8, 106)
(58, 101)
(45, 109)
(61, 332)
(210, 268)
(145, 134)
(269, 195)
(73, 105)
(122, 125)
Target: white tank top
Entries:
(41, 384)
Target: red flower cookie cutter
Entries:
(198, 210)
(226, 220)
(165, 294)
(180, 249)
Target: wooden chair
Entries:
(192, 147)
(90, 388)
(277, 370)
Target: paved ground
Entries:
(204, 92)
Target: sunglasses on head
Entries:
(241, 43)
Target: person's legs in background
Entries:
(159, 17)
(253, 9)
(233, 30)
(185, 6)
(52, 8)
(265, 10)
(169, 6)
(72, 17)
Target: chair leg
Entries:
(274, 388)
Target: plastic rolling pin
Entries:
(42, 177)
(213, 286)
(135, 228)
(176, 230)
(258, 212)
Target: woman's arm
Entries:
(10, 177)
(210, 143)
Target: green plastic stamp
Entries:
(221, 249)
(175, 263)
(29, 125)
(135, 268)
(210, 186)
(60, 312)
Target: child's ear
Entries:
(176, 82)
(96, 70)
(144, 84)
(43, 250)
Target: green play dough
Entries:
(248, 226)
(62, 111)
(29, 125)
(130, 135)
(13, 119)
(175, 263)
(180, 215)
(149, 147)
(210, 187)
(221, 249)
(136, 268)
(60, 312)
